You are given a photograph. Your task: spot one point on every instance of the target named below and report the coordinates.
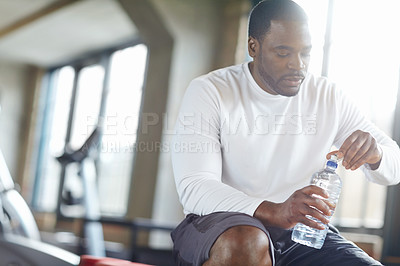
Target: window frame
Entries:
(100, 57)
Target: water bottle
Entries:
(331, 182)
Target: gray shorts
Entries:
(195, 235)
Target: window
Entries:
(104, 90)
(363, 60)
(53, 138)
(121, 124)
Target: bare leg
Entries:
(241, 245)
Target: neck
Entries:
(258, 80)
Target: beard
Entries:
(273, 86)
(277, 86)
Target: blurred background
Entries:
(70, 66)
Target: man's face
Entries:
(280, 60)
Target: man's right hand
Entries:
(302, 202)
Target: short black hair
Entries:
(267, 10)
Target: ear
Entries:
(252, 46)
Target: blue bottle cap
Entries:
(332, 164)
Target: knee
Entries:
(245, 238)
(241, 244)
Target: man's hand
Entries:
(294, 210)
(359, 148)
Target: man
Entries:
(249, 138)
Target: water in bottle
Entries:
(331, 182)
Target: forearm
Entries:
(295, 209)
(267, 213)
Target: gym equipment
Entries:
(19, 235)
(85, 156)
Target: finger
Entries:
(311, 223)
(351, 150)
(347, 143)
(317, 215)
(306, 215)
(337, 152)
(360, 153)
(331, 205)
(315, 190)
(320, 205)
(313, 201)
(364, 159)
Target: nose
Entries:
(296, 63)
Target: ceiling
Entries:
(51, 32)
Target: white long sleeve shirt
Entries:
(237, 145)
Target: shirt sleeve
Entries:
(197, 156)
(350, 120)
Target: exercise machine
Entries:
(19, 235)
(86, 156)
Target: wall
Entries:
(205, 38)
(192, 25)
(16, 86)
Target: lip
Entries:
(293, 81)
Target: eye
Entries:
(282, 53)
(306, 53)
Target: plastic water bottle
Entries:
(331, 182)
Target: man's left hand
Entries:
(359, 148)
